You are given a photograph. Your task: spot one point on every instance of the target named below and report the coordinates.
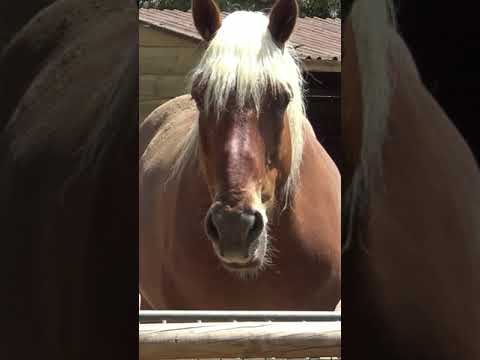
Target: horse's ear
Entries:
(206, 16)
(282, 20)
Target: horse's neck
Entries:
(425, 215)
(165, 118)
(316, 198)
(425, 157)
(421, 122)
(413, 110)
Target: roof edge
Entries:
(171, 31)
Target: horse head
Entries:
(248, 91)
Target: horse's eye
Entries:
(197, 98)
(281, 102)
(284, 99)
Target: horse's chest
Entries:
(200, 281)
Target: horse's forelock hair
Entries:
(371, 22)
(243, 60)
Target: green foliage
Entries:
(325, 8)
(319, 8)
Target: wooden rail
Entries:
(240, 339)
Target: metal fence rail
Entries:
(158, 316)
(239, 334)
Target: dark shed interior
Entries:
(323, 110)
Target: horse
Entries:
(410, 197)
(68, 189)
(239, 204)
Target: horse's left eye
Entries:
(284, 99)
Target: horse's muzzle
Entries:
(235, 233)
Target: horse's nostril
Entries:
(212, 230)
(256, 228)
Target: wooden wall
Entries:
(165, 61)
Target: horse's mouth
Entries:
(246, 267)
(251, 265)
(247, 271)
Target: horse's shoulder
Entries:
(162, 132)
(167, 115)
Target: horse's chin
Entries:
(249, 271)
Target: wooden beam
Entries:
(239, 339)
(322, 66)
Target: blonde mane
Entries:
(371, 24)
(242, 59)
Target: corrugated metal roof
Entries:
(315, 38)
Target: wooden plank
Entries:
(153, 87)
(168, 61)
(322, 66)
(155, 37)
(241, 339)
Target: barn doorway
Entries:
(324, 110)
